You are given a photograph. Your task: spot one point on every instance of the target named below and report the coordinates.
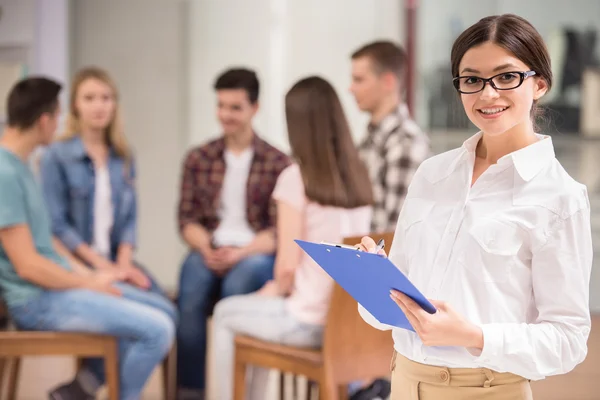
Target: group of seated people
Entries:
(68, 236)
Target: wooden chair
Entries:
(352, 350)
(17, 344)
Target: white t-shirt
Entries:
(234, 229)
(103, 212)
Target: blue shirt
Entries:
(21, 202)
(68, 182)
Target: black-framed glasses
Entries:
(505, 81)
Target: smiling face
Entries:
(235, 111)
(497, 111)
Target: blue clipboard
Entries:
(368, 278)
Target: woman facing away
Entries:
(87, 179)
(497, 233)
(320, 197)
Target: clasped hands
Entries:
(444, 328)
(121, 271)
(222, 259)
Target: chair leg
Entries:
(78, 364)
(295, 394)
(111, 370)
(328, 390)
(343, 392)
(2, 365)
(13, 380)
(169, 369)
(239, 380)
(281, 385)
(309, 388)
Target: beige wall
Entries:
(141, 43)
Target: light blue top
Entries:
(21, 202)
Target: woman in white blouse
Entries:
(497, 233)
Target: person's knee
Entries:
(160, 333)
(226, 307)
(195, 286)
(193, 265)
(171, 310)
(248, 276)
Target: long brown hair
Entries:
(115, 138)
(321, 143)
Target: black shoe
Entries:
(190, 394)
(379, 389)
(70, 391)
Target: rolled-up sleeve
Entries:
(189, 210)
(54, 187)
(557, 341)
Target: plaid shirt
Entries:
(392, 151)
(203, 174)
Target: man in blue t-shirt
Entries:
(43, 290)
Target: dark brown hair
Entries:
(386, 57)
(331, 168)
(514, 34)
(29, 99)
(239, 78)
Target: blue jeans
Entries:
(199, 289)
(139, 319)
(154, 297)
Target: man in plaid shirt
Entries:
(392, 150)
(227, 218)
(394, 146)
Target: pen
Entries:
(380, 246)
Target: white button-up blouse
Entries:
(512, 254)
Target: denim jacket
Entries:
(68, 182)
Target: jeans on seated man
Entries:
(227, 218)
(46, 291)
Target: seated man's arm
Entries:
(196, 236)
(189, 210)
(17, 242)
(263, 243)
(77, 266)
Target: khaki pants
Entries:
(414, 381)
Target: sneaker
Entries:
(190, 394)
(379, 389)
(70, 391)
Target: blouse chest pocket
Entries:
(492, 250)
(413, 223)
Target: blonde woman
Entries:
(88, 178)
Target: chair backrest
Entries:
(352, 348)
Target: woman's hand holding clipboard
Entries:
(368, 244)
(445, 327)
